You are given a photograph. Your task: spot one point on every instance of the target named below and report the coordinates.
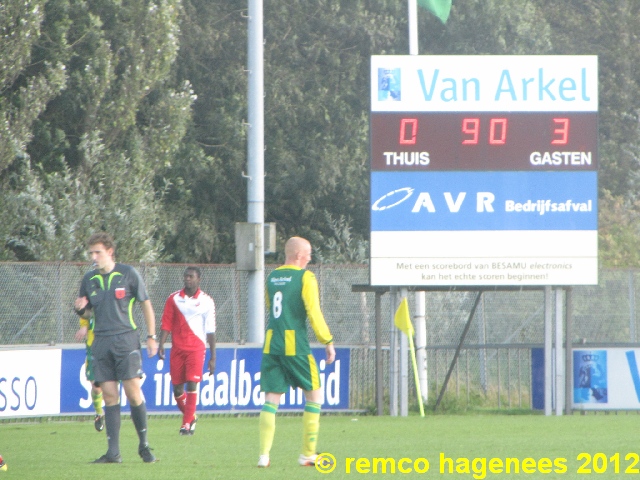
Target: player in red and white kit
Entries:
(190, 317)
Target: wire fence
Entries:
(494, 368)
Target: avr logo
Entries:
(484, 201)
(392, 199)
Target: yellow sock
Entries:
(310, 428)
(267, 427)
(97, 402)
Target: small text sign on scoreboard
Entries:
(484, 170)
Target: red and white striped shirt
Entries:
(189, 319)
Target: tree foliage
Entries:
(619, 231)
(97, 147)
(24, 92)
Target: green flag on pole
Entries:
(440, 8)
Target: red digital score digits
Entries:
(484, 140)
(471, 130)
(405, 124)
(497, 131)
(562, 131)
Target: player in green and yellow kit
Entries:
(292, 298)
(86, 333)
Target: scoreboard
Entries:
(483, 170)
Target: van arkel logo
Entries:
(384, 202)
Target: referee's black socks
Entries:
(112, 424)
(139, 417)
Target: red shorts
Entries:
(186, 366)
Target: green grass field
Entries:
(226, 447)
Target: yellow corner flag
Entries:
(402, 318)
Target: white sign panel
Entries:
(484, 83)
(29, 382)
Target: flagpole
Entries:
(413, 50)
(413, 27)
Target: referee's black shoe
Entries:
(145, 453)
(107, 459)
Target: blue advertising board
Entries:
(235, 386)
(602, 378)
(423, 201)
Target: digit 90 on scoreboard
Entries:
(484, 141)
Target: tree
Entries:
(619, 231)
(207, 191)
(99, 146)
(24, 94)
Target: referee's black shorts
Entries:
(117, 357)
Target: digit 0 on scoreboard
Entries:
(484, 141)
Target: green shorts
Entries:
(279, 372)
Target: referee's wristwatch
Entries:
(152, 337)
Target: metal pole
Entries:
(420, 323)
(255, 168)
(559, 390)
(482, 352)
(404, 341)
(379, 378)
(548, 334)
(568, 376)
(393, 356)
(632, 308)
(404, 367)
(60, 312)
(413, 27)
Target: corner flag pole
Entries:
(402, 321)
